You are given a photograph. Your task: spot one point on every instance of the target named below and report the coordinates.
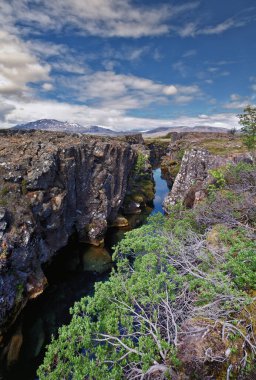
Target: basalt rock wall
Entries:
(158, 149)
(51, 186)
(191, 183)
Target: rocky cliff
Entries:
(51, 186)
(191, 183)
(158, 149)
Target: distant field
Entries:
(216, 143)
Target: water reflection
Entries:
(161, 190)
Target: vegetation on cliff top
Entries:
(180, 301)
(248, 120)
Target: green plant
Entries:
(19, 292)
(248, 120)
(24, 186)
(140, 164)
(169, 277)
(219, 181)
(232, 131)
(111, 333)
(240, 260)
(3, 193)
(180, 154)
(3, 202)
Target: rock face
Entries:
(52, 185)
(141, 186)
(191, 182)
(158, 149)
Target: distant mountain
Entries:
(204, 128)
(197, 128)
(64, 126)
(60, 126)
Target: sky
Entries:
(127, 64)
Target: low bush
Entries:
(183, 285)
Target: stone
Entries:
(120, 221)
(96, 259)
(2, 213)
(14, 347)
(132, 208)
(194, 177)
(60, 183)
(3, 226)
(199, 196)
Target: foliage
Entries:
(219, 180)
(180, 154)
(117, 326)
(232, 131)
(24, 186)
(3, 193)
(240, 258)
(170, 275)
(248, 120)
(140, 164)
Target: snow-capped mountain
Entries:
(64, 126)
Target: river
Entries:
(69, 281)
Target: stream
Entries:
(71, 276)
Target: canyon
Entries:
(54, 185)
(58, 188)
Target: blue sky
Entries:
(127, 64)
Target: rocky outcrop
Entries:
(52, 185)
(158, 149)
(190, 185)
(141, 187)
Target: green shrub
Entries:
(140, 164)
(167, 273)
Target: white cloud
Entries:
(5, 110)
(213, 69)
(47, 86)
(36, 109)
(189, 53)
(46, 49)
(111, 18)
(169, 90)
(107, 88)
(21, 65)
(237, 102)
(18, 66)
(193, 28)
(187, 30)
(221, 27)
(119, 90)
(235, 97)
(186, 94)
(236, 105)
(180, 67)
(157, 55)
(104, 18)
